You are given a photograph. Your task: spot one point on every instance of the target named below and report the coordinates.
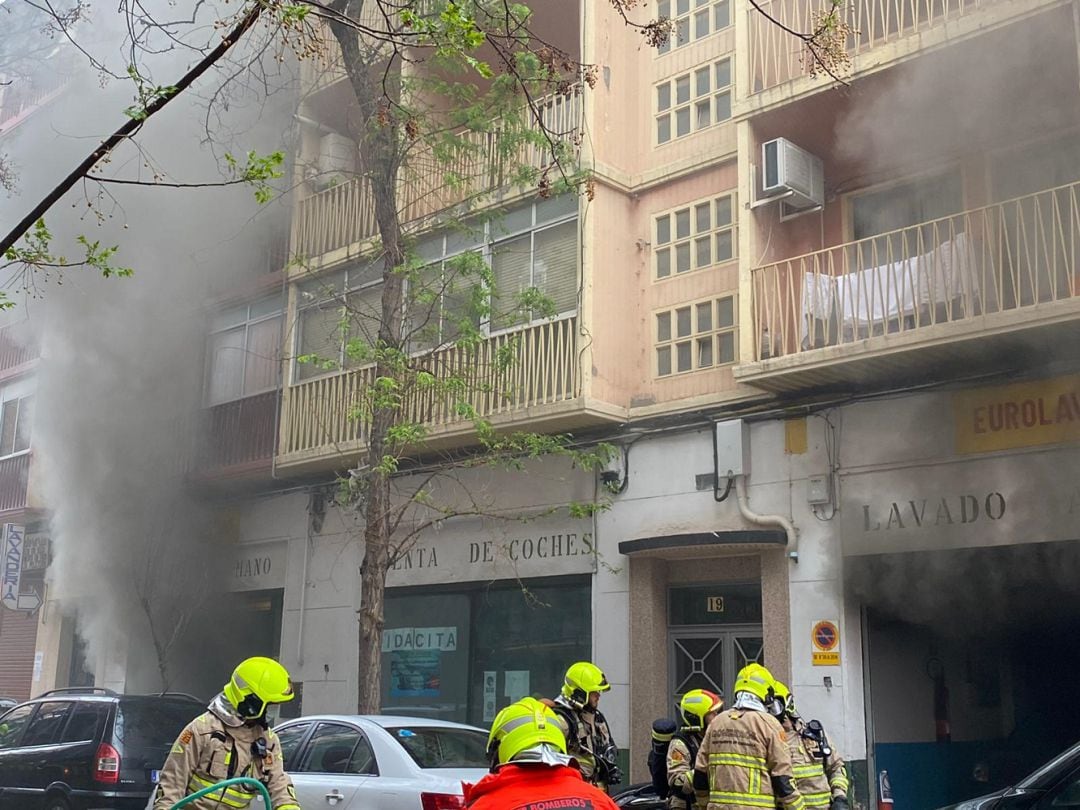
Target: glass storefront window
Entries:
(464, 654)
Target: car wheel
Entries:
(57, 803)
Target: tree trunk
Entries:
(380, 155)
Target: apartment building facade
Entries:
(844, 404)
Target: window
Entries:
(333, 310)
(695, 337)
(443, 747)
(893, 211)
(440, 298)
(290, 738)
(12, 725)
(692, 20)
(502, 647)
(693, 101)
(544, 258)
(335, 748)
(531, 246)
(16, 420)
(47, 724)
(700, 235)
(244, 351)
(87, 722)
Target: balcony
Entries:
(17, 350)
(987, 289)
(344, 215)
(19, 100)
(883, 32)
(14, 475)
(541, 389)
(237, 438)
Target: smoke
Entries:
(956, 104)
(120, 387)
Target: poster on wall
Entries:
(415, 673)
(517, 684)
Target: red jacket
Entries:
(536, 787)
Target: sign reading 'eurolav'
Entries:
(11, 582)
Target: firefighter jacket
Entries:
(818, 778)
(587, 739)
(747, 762)
(534, 786)
(680, 774)
(219, 745)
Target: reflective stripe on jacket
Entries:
(209, 751)
(743, 753)
(818, 780)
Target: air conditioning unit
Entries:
(793, 173)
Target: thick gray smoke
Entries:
(121, 386)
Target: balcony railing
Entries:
(21, 97)
(324, 415)
(14, 474)
(16, 348)
(988, 264)
(777, 57)
(238, 433)
(345, 214)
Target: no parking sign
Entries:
(825, 641)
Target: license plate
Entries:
(155, 776)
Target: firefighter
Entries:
(530, 765)
(232, 739)
(588, 738)
(818, 768)
(743, 761)
(697, 708)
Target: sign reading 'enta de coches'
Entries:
(469, 551)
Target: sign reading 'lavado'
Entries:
(471, 550)
(1022, 415)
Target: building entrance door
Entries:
(705, 658)
(713, 632)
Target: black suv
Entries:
(88, 749)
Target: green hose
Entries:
(247, 781)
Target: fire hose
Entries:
(247, 781)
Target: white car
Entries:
(374, 762)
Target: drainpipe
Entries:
(303, 601)
(767, 520)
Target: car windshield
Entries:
(435, 747)
(151, 724)
(1052, 768)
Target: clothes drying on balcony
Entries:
(875, 300)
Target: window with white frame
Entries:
(693, 101)
(16, 420)
(334, 309)
(694, 237)
(692, 20)
(531, 246)
(535, 247)
(244, 351)
(443, 288)
(696, 336)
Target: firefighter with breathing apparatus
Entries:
(530, 766)
(697, 709)
(588, 738)
(819, 770)
(744, 760)
(229, 740)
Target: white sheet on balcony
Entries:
(887, 292)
